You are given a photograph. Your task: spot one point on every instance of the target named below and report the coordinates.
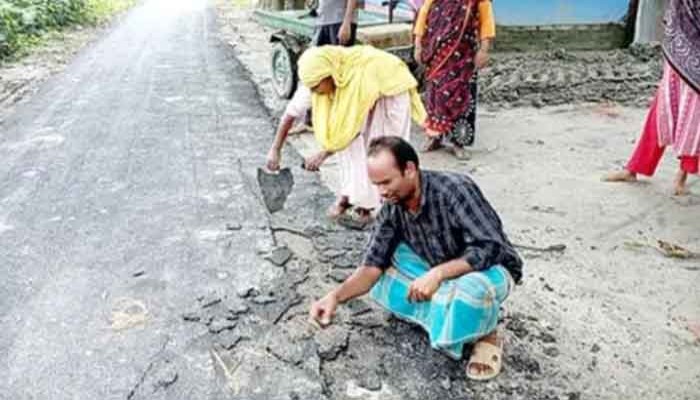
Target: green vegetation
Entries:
(23, 23)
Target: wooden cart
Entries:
(295, 29)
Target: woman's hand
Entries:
(273, 159)
(482, 58)
(417, 52)
(314, 162)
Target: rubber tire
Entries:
(283, 63)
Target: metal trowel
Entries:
(275, 187)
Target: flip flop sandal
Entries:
(337, 210)
(300, 128)
(486, 354)
(460, 154)
(431, 144)
(352, 220)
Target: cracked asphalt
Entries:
(139, 263)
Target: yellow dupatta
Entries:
(362, 74)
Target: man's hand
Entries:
(481, 59)
(314, 162)
(423, 288)
(273, 159)
(344, 34)
(323, 310)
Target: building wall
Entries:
(649, 25)
(537, 12)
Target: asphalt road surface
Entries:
(124, 202)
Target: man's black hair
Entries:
(402, 151)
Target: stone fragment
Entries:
(573, 396)
(358, 307)
(332, 341)
(228, 339)
(166, 376)
(191, 317)
(210, 300)
(343, 263)
(333, 253)
(264, 299)
(551, 351)
(547, 337)
(518, 327)
(248, 292)
(446, 383)
(219, 325)
(370, 380)
(338, 275)
(233, 226)
(367, 320)
(279, 256)
(239, 309)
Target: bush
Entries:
(24, 22)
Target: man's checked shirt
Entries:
(454, 220)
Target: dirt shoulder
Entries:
(588, 321)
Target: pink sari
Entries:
(678, 114)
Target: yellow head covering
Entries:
(362, 74)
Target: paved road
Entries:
(117, 182)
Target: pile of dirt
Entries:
(559, 77)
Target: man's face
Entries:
(394, 187)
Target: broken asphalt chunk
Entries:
(279, 256)
(219, 325)
(191, 317)
(248, 292)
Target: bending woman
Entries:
(355, 94)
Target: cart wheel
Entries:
(284, 70)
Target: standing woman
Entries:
(452, 40)
(355, 94)
(674, 115)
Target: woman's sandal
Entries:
(486, 354)
(355, 220)
(338, 209)
(459, 153)
(431, 144)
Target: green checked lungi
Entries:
(461, 311)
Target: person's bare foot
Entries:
(339, 208)
(621, 176)
(431, 144)
(458, 152)
(679, 184)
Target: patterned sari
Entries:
(449, 48)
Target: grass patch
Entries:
(24, 23)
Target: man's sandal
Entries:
(486, 354)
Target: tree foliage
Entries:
(24, 22)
